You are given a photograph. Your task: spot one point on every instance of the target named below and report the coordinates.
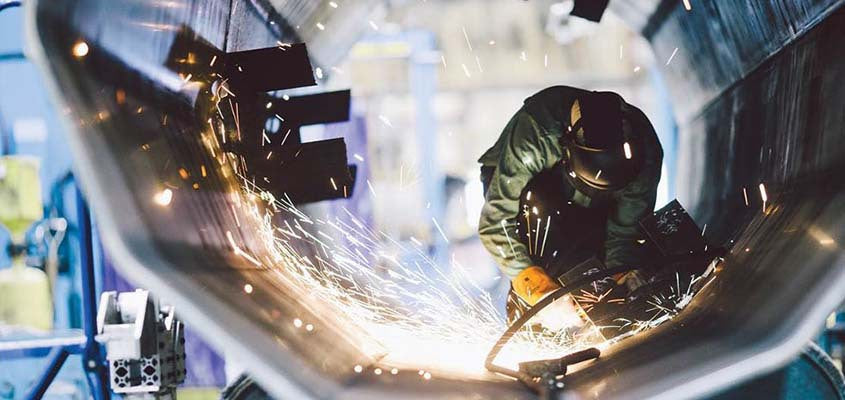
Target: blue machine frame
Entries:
(93, 362)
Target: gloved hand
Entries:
(532, 284)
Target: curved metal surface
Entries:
(760, 102)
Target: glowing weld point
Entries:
(80, 49)
(247, 288)
(297, 323)
(627, 148)
(358, 369)
(163, 198)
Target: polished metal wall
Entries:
(756, 86)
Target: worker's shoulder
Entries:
(555, 94)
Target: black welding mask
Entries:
(600, 150)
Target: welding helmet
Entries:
(599, 149)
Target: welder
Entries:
(568, 179)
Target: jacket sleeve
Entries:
(632, 204)
(525, 152)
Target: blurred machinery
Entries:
(25, 295)
(144, 344)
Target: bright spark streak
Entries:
(373, 25)
(370, 185)
(466, 37)
(439, 229)
(545, 235)
(672, 56)
(627, 148)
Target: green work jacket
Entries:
(530, 144)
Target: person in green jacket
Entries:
(569, 178)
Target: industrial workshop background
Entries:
(433, 83)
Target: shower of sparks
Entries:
(410, 310)
(672, 56)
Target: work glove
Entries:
(532, 284)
